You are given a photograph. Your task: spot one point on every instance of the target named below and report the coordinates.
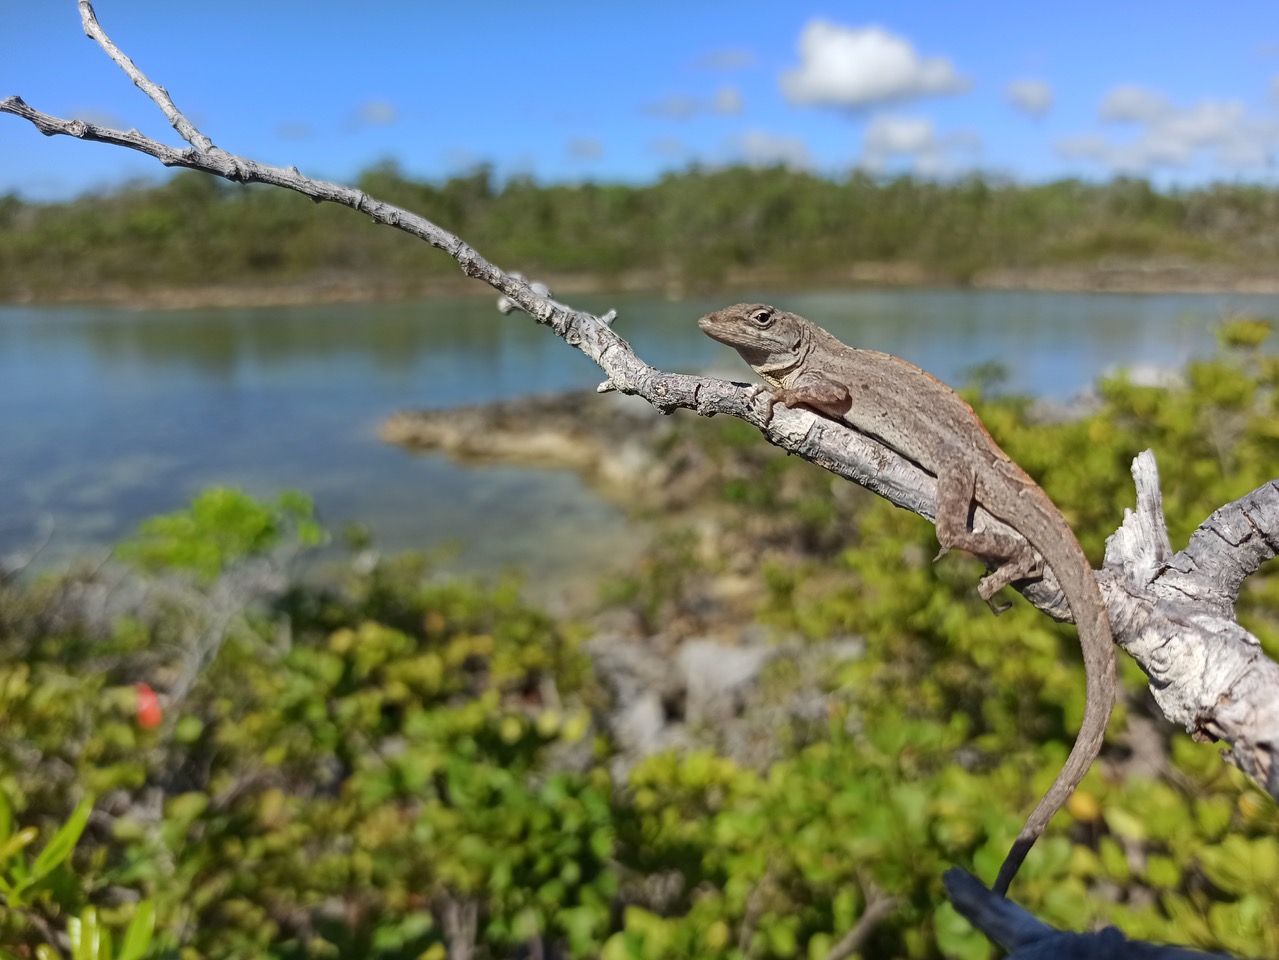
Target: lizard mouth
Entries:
(710, 328)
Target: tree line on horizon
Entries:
(694, 229)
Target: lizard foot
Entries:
(770, 399)
(995, 607)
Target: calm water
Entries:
(109, 415)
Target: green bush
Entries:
(393, 763)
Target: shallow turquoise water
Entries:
(111, 415)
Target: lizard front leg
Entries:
(1015, 559)
(815, 390)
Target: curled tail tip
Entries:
(1085, 751)
(1012, 863)
(1004, 880)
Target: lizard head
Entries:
(767, 338)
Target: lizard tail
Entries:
(1080, 585)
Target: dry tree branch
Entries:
(878, 906)
(1173, 613)
(1175, 616)
(158, 94)
(16, 563)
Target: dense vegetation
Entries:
(691, 229)
(398, 765)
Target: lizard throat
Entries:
(777, 366)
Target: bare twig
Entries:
(1174, 614)
(878, 906)
(16, 563)
(54, 938)
(157, 93)
(753, 912)
(460, 921)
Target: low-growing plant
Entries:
(390, 764)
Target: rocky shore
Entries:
(684, 663)
(610, 439)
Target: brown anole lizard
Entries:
(918, 416)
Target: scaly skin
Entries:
(915, 414)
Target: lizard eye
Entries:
(762, 318)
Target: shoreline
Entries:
(1136, 278)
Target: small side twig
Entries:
(15, 564)
(157, 93)
(754, 909)
(460, 921)
(878, 906)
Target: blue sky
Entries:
(1178, 91)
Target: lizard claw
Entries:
(995, 607)
(770, 400)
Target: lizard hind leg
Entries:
(1014, 559)
(1026, 564)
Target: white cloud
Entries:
(727, 101)
(668, 147)
(1118, 157)
(915, 142)
(734, 59)
(1083, 146)
(1243, 153)
(1274, 87)
(677, 106)
(460, 160)
(898, 135)
(757, 148)
(375, 113)
(1207, 122)
(585, 148)
(859, 66)
(1170, 135)
(1133, 104)
(293, 130)
(933, 163)
(1033, 97)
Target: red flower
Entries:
(149, 713)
